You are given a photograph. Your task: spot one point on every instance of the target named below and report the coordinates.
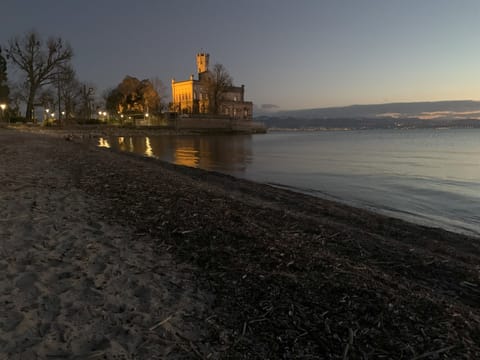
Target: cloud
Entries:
(431, 115)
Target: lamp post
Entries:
(3, 107)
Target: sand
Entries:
(108, 255)
(73, 285)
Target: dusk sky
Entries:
(293, 54)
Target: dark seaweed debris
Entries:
(295, 277)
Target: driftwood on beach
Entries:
(108, 255)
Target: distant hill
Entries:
(390, 110)
(465, 113)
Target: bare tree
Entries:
(161, 90)
(17, 96)
(87, 92)
(41, 62)
(46, 98)
(69, 92)
(218, 82)
(4, 89)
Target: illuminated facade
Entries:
(192, 96)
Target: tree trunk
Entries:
(30, 100)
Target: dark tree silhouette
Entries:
(217, 81)
(161, 90)
(41, 62)
(4, 89)
(69, 93)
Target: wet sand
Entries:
(107, 255)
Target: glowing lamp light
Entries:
(3, 106)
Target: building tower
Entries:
(202, 62)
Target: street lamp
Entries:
(3, 107)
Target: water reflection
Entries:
(102, 142)
(148, 147)
(227, 153)
(186, 156)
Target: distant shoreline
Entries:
(94, 131)
(314, 129)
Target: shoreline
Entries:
(81, 133)
(91, 131)
(210, 266)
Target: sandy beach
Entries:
(114, 256)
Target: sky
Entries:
(289, 54)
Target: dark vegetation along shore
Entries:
(115, 256)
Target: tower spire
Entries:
(202, 62)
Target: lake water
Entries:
(430, 177)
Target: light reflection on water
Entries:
(426, 176)
(187, 156)
(103, 143)
(219, 153)
(148, 147)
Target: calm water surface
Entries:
(426, 176)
